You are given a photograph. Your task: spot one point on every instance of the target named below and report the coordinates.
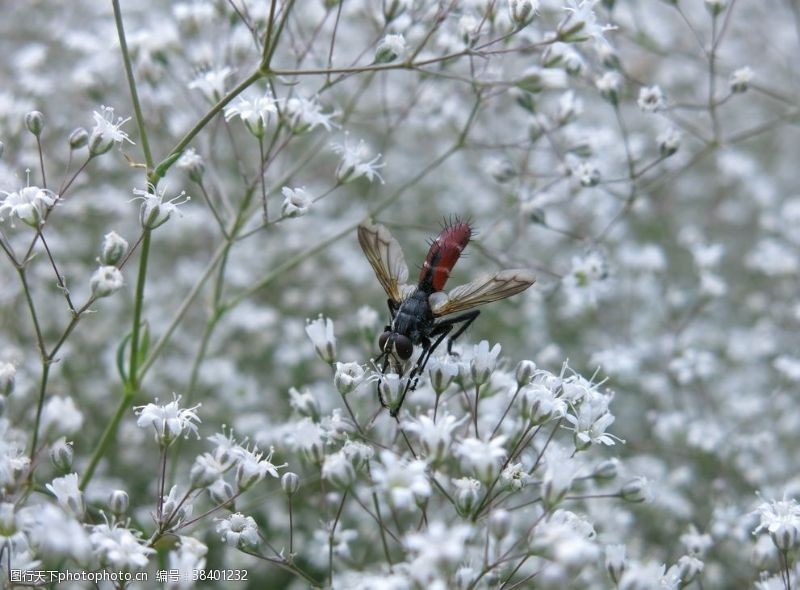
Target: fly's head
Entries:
(397, 344)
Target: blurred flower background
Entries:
(188, 321)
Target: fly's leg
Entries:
(393, 307)
(466, 319)
(411, 384)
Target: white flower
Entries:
(105, 280)
(29, 204)
(255, 113)
(320, 332)
(483, 362)
(304, 114)
(651, 99)
(338, 469)
(615, 561)
(434, 436)
(586, 172)
(119, 547)
(404, 481)
(515, 476)
(254, 466)
(356, 163)
(591, 420)
(212, 83)
(645, 576)
(67, 493)
(239, 530)
(61, 416)
(539, 404)
(56, 534)
(609, 85)
(390, 389)
(296, 202)
(781, 519)
(560, 471)
(669, 141)
(192, 163)
(106, 131)
(390, 48)
(436, 549)
(187, 559)
(155, 211)
(114, 248)
(740, 79)
(348, 376)
(169, 420)
(175, 508)
(582, 24)
(566, 538)
(482, 457)
(441, 372)
(7, 374)
(206, 470)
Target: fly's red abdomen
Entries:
(443, 255)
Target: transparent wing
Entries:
(386, 257)
(482, 290)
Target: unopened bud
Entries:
(61, 455)
(7, 374)
(606, 469)
(637, 490)
(390, 48)
(467, 500)
(34, 121)
(615, 561)
(114, 248)
(524, 372)
(522, 12)
(499, 523)
(78, 138)
(290, 483)
(118, 503)
(105, 281)
(221, 492)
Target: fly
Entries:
(417, 313)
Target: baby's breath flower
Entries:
(669, 141)
(175, 508)
(193, 164)
(390, 387)
(404, 481)
(581, 23)
(560, 471)
(290, 483)
(211, 83)
(29, 205)
(482, 457)
(305, 114)
(515, 477)
(155, 211)
(348, 377)
(539, 404)
(239, 531)
(441, 372)
(304, 403)
(590, 421)
(67, 493)
(296, 202)
(651, 99)
(355, 162)
(206, 470)
(483, 362)
(609, 85)
(615, 561)
(169, 420)
(105, 281)
(78, 138)
(467, 489)
(255, 114)
(34, 121)
(390, 48)
(338, 469)
(188, 559)
(586, 172)
(106, 131)
(221, 493)
(740, 79)
(434, 436)
(119, 547)
(254, 466)
(320, 332)
(61, 416)
(781, 519)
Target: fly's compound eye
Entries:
(403, 346)
(382, 341)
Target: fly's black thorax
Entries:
(414, 318)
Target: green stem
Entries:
(108, 434)
(133, 367)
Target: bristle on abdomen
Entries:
(443, 254)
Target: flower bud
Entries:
(114, 248)
(99, 143)
(61, 455)
(716, 7)
(615, 561)
(740, 80)
(290, 483)
(320, 332)
(192, 163)
(499, 523)
(524, 372)
(8, 525)
(78, 138)
(221, 493)
(118, 503)
(669, 142)
(392, 9)
(2, 148)
(337, 469)
(34, 121)
(105, 281)
(688, 568)
(7, 374)
(467, 500)
(390, 48)
(609, 84)
(606, 469)
(522, 12)
(390, 390)
(636, 491)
